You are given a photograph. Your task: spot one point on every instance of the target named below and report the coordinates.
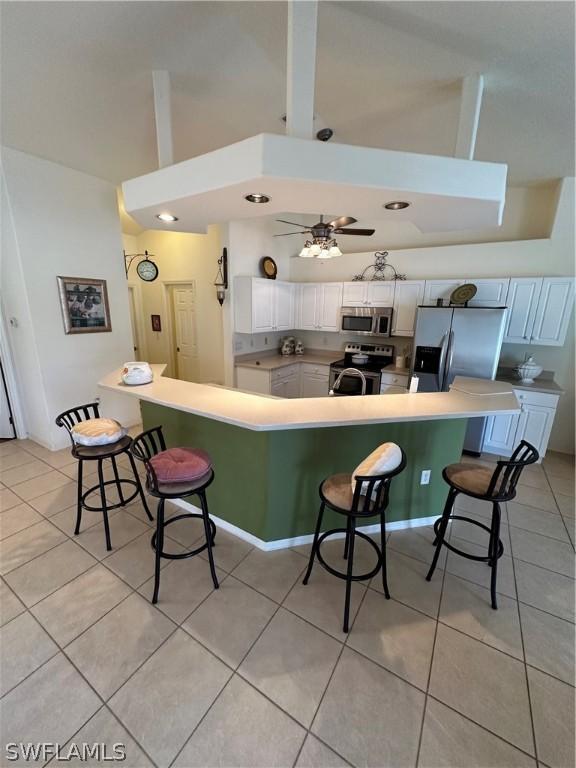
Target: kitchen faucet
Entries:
(350, 371)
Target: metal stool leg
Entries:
(139, 486)
(209, 538)
(159, 547)
(493, 550)
(442, 531)
(117, 478)
(383, 550)
(349, 575)
(79, 501)
(104, 507)
(347, 539)
(314, 544)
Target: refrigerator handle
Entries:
(449, 356)
(442, 362)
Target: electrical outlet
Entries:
(238, 346)
(265, 341)
(425, 477)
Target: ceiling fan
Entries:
(323, 245)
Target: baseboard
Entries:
(296, 541)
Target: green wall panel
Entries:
(267, 482)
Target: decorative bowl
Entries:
(528, 371)
(137, 372)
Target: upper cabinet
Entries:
(319, 306)
(440, 289)
(368, 294)
(262, 305)
(491, 292)
(539, 310)
(408, 295)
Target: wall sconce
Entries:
(221, 282)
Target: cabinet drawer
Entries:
(286, 372)
(536, 398)
(391, 389)
(315, 369)
(394, 379)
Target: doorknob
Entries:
(177, 349)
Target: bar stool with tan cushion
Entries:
(480, 482)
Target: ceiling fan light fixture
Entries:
(334, 251)
(256, 197)
(167, 218)
(305, 252)
(396, 205)
(315, 250)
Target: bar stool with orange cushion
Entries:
(360, 495)
(480, 482)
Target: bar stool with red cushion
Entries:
(481, 482)
(175, 473)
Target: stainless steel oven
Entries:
(366, 321)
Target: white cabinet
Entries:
(408, 294)
(533, 423)
(491, 292)
(319, 306)
(262, 305)
(440, 289)
(553, 312)
(376, 293)
(253, 380)
(314, 380)
(522, 302)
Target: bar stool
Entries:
(369, 499)
(145, 447)
(68, 419)
(482, 483)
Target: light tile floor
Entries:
(258, 673)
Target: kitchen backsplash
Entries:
(259, 342)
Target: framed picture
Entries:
(84, 303)
(156, 322)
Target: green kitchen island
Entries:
(271, 454)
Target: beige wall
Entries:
(181, 257)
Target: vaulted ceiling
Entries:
(77, 89)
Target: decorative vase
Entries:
(288, 344)
(299, 348)
(137, 372)
(528, 370)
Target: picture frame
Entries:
(156, 323)
(84, 304)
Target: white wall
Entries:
(60, 222)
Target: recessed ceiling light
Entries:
(166, 217)
(256, 198)
(396, 205)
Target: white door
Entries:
(354, 294)
(262, 305)
(284, 306)
(134, 324)
(407, 296)
(554, 309)
(491, 292)
(330, 305)
(535, 425)
(307, 301)
(522, 302)
(440, 289)
(381, 294)
(7, 430)
(184, 308)
(500, 435)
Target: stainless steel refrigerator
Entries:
(452, 341)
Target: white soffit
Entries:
(312, 177)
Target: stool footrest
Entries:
(191, 553)
(96, 488)
(467, 555)
(342, 574)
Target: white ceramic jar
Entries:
(528, 370)
(137, 372)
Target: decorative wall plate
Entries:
(463, 293)
(268, 267)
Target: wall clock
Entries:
(147, 270)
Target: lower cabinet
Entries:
(294, 380)
(533, 423)
(315, 380)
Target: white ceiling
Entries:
(76, 78)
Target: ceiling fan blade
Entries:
(366, 232)
(343, 221)
(284, 234)
(293, 223)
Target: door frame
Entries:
(167, 286)
(10, 378)
(140, 321)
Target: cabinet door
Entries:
(407, 296)
(278, 388)
(500, 435)
(535, 425)
(440, 289)
(314, 385)
(522, 302)
(354, 294)
(553, 311)
(381, 293)
(329, 306)
(491, 292)
(292, 386)
(284, 306)
(307, 301)
(262, 305)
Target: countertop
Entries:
(270, 362)
(467, 398)
(545, 383)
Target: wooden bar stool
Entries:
(150, 448)
(100, 453)
(482, 483)
(368, 499)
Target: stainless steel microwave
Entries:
(366, 321)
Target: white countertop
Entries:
(468, 398)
